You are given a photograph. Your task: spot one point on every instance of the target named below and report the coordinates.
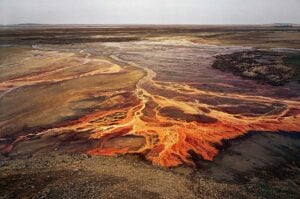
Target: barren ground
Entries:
(70, 96)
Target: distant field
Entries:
(257, 36)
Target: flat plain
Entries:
(149, 111)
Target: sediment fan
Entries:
(165, 108)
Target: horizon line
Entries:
(148, 24)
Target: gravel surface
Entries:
(82, 176)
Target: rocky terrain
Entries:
(263, 66)
(235, 173)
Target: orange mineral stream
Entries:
(179, 106)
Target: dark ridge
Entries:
(227, 143)
(263, 66)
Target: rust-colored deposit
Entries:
(162, 104)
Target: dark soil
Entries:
(263, 66)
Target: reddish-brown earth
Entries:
(169, 102)
(176, 116)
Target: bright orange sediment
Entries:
(169, 140)
(166, 121)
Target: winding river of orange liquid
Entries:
(165, 120)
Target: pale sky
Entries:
(149, 11)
